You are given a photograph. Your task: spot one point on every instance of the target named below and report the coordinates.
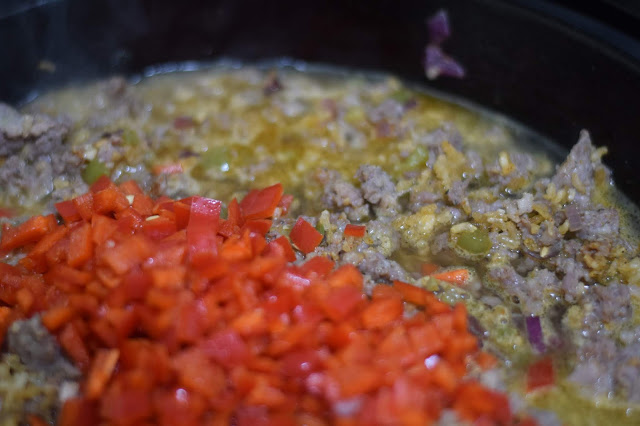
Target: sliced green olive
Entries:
(130, 137)
(215, 158)
(418, 158)
(474, 242)
(94, 170)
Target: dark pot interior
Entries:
(537, 62)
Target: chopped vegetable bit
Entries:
(454, 276)
(541, 374)
(200, 320)
(167, 169)
(305, 236)
(94, 169)
(474, 242)
(428, 268)
(357, 231)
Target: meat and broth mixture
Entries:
(404, 186)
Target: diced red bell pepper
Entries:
(109, 200)
(84, 205)
(260, 204)
(540, 374)
(80, 245)
(260, 226)
(78, 412)
(159, 228)
(283, 242)
(127, 254)
(226, 347)
(74, 346)
(202, 230)
(305, 236)
(411, 293)
(319, 266)
(67, 211)
(102, 183)
(28, 232)
(356, 231)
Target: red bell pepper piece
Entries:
(202, 229)
(305, 236)
(357, 231)
(541, 374)
(261, 204)
(67, 211)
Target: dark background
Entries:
(556, 66)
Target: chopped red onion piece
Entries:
(574, 217)
(534, 332)
(438, 25)
(436, 63)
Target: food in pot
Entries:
(243, 245)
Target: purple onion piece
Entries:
(438, 26)
(574, 217)
(534, 332)
(436, 63)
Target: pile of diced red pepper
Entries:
(178, 316)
